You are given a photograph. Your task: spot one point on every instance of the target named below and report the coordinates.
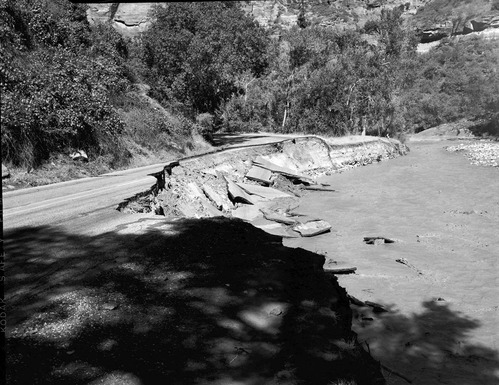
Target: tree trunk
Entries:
(285, 115)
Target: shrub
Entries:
(206, 125)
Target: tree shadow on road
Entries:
(229, 139)
(181, 302)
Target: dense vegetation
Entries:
(56, 79)
(458, 80)
(196, 52)
(322, 81)
(67, 85)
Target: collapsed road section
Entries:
(304, 313)
(259, 184)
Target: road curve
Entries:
(87, 204)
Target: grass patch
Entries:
(59, 168)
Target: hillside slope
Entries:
(68, 86)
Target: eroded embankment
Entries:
(305, 309)
(203, 186)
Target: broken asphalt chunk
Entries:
(212, 195)
(259, 174)
(377, 240)
(279, 218)
(339, 270)
(264, 192)
(237, 194)
(287, 172)
(318, 188)
(312, 228)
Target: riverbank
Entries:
(438, 280)
(212, 300)
(191, 301)
(200, 186)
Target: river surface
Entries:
(442, 326)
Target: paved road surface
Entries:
(88, 205)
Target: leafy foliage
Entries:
(326, 82)
(195, 51)
(66, 85)
(455, 81)
(56, 77)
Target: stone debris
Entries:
(259, 174)
(404, 261)
(483, 153)
(5, 172)
(79, 155)
(312, 228)
(269, 178)
(377, 240)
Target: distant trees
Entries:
(329, 82)
(457, 80)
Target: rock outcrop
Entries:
(130, 19)
(445, 29)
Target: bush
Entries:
(206, 125)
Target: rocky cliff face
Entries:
(488, 23)
(434, 19)
(342, 14)
(130, 19)
(443, 18)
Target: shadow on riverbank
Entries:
(434, 340)
(211, 301)
(182, 302)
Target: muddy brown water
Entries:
(443, 212)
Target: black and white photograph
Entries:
(267, 192)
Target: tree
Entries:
(197, 51)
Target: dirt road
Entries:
(443, 212)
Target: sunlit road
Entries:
(89, 205)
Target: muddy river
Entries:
(442, 326)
